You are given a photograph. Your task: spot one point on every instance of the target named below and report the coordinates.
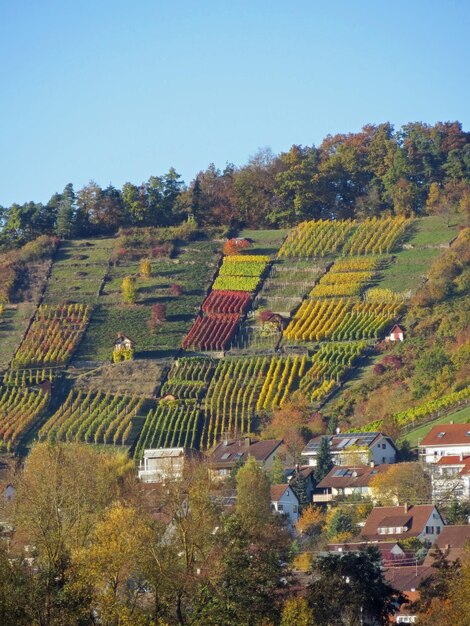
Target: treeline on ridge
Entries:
(419, 168)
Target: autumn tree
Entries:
(113, 561)
(296, 612)
(401, 482)
(145, 268)
(291, 423)
(157, 316)
(276, 472)
(235, 246)
(176, 290)
(253, 496)
(129, 290)
(311, 521)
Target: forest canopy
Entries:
(417, 169)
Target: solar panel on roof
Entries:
(343, 444)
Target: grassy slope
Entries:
(459, 417)
(430, 236)
(192, 269)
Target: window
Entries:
(384, 460)
(438, 530)
(382, 531)
(280, 507)
(384, 446)
(294, 508)
(430, 530)
(440, 435)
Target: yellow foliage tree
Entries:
(403, 482)
(145, 268)
(296, 612)
(311, 521)
(129, 290)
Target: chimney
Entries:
(405, 507)
(451, 422)
(461, 456)
(338, 430)
(372, 463)
(247, 442)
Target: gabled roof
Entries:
(277, 491)
(452, 539)
(393, 516)
(447, 435)
(341, 477)
(343, 441)
(396, 329)
(122, 337)
(407, 577)
(227, 453)
(456, 460)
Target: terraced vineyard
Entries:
(53, 335)
(188, 378)
(98, 418)
(170, 425)
(20, 409)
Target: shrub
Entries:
(176, 290)
(157, 316)
(129, 290)
(235, 246)
(145, 268)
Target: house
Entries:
(229, 453)
(284, 500)
(450, 477)
(396, 334)
(386, 523)
(307, 473)
(353, 448)
(123, 343)
(164, 464)
(445, 440)
(390, 551)
(407, 580)
(452, 542)
(346, 481)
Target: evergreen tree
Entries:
(325, 461)
(299, 487)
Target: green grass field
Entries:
(78, 270)
(192, 268)
(430, 236)
(264, 241)
(459, 417)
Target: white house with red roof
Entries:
(451, 477)
(285, 502)
(386, 523)
(445, 440)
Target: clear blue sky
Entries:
(118, 90)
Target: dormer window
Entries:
(441, 434)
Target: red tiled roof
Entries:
(451, 539)
(356, 477)
(417, 515)
(226, 454)
(454, 434)
(455, 459)
(407, 577)
(277, 492)
(396, 329)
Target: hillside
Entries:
(221, 343)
